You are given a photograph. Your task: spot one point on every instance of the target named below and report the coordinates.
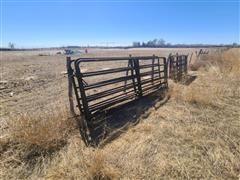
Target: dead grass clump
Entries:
(195, 66)
(228, 57)
(43, 130)
(98, 169)
(202, 92)
(31, 139)
(216, 83)
(193, 94)
(228, 61)
(76, 161)
(198, 62)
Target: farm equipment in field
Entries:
(113, 82)
(102, 85)
(68, 51)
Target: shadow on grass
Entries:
(117, 120)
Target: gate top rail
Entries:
(116, 58)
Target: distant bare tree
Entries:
(136, 44)
(234, 44)
(151, 43)
(161, 42)
(11, 45)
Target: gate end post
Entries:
(165, 61)
(70, 85)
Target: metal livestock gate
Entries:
(109, 82)
(177, 66)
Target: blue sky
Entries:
(44, 23)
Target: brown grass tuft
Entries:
(79, 162)
(217, 82)
(30, 140)
(43, 130)
(227, 61)
(99, 169)
(196, 65)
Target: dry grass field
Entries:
(194, 135)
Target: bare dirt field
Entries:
(195, 134)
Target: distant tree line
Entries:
(162, 43)
(151, 43)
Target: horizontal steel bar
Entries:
(121, 99)
(119, 89)
(150, 73)
(108, 71)
(112, 102)
(147, 92)
(151, 83)
(149, 65)
(117, 58)
(145, 81)
(95, 73)
(108, 82)
(109, 92)
(142, 82)
(153, 86)
(106, 100)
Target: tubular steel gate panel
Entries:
(177, 66)
(104, 83)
